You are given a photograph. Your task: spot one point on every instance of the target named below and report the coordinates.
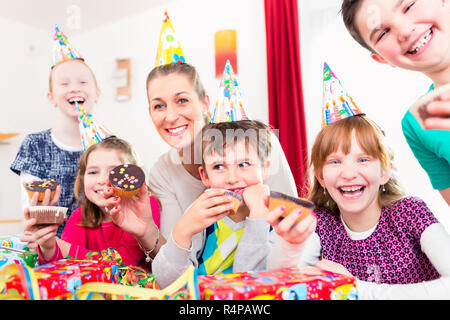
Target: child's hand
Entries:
(46, 201)
(256, 197)
(42, 236)
(211, 206)
(289, 228)
(328, 265)
(440, 113)
(133, 215)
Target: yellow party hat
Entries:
(169, 49)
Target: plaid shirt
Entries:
(39, 156)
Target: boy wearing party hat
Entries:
(54, 153)
(235, 157)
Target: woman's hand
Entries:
(211, 206)
(43, 236)
(329, 265)
(439, 111)
(289, 228)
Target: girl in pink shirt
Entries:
(91, 227)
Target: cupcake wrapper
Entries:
(125, 193)
(41, 195)
(48, 214)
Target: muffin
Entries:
(290, 203)
(40, 186)
(48, 214)
(236, 199)
(127, 179)
(418, 109)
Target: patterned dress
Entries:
(391, 254)
(39, 156)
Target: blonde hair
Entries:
(91, 214)
(50, 80)
(339, 135)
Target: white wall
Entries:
(382, 92)
(25, 66)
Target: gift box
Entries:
(57, 280)
(307, 283)
(13, 241)
(10, 255)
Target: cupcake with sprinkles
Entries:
(41, 186)
(126, 179)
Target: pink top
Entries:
(107, 235)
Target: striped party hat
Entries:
(229, 104)
(169, 48)
(91, 131)
(337, 103)
(62, 49)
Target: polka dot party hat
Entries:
(169, 48)
(91, 131)
(229, 105)
(337, 103)
(62, 49)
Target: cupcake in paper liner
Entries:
(41, 186)
(236, 199)
(127, 179)
(290, 203)
(48, 214)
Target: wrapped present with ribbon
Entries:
(10, 255)
(58, 280)
(307, 283)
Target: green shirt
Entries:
(431, 148)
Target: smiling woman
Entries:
(178, 106)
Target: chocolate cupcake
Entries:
(236, 199)
(127, 179)
(290, 203)
(41, 186)
(48, 214)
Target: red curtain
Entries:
(286, 110)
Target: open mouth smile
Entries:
(351, 191)
(79, 100)
(177, 131)
(421, 43)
